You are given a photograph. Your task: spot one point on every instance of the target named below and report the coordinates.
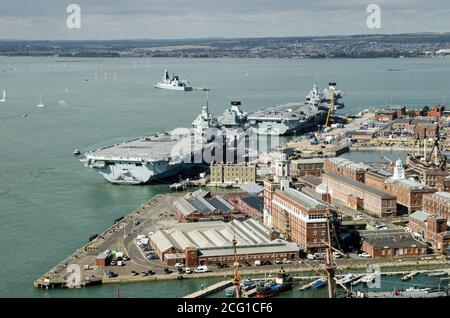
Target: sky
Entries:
(169, 19)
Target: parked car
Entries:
(201, 269)
(247, 264)
(188, 270)
(150, 272)
(179, 265)
(310, 256)
(125, 258)
(359, 217)
(336, 254)
(134, 273)
(364, 254)
(111, 274)
(152, 256)
(258, 263)
(268, 263)
(167, 271)
(144, 274)
(113, 263)
(278, 261)
(286, 261)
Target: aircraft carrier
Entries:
(162, 155)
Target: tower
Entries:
(399, 171)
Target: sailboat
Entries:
(66, 89)
(3, 99)
(40, 103)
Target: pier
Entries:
(210, 289)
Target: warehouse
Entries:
(210, 243)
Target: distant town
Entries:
(354, 46)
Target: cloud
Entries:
(110, 19)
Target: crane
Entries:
(333, 92)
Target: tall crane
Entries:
(333, 92)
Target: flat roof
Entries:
(442, 196)
(304, 199)
(359, 185)
(308, 160)
(392, 240)
(311, 179)
(419, 215)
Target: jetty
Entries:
(210, 289)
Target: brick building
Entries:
(386, 115)
(390, 245)
(302, 167)
(443, 183)
(426, 130)
(346, 168)
(301, 218)
(358, 195)
(437, 203)
(431, 228)
(252, 206)
(408, 192)
(436, 111)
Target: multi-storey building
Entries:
(300, 218)
(305, 167)
(407, 191)
(346, 168)
(437, 203)
(358, 195)
(230, 173)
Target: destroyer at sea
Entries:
(162, 155)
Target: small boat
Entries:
(40, 103)
(347, 279)
(283, 282)
(246, 285)
(24, 115)
(370, 278)
(319, 283)
(3, 98)
(76, 152)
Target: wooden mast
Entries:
(237, 277)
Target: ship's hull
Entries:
(274, 128)
(130, 173)
(264, 292)
(172, 87)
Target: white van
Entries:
(257, 263)
(201, 269)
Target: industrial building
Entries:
(210, 243)
(252, 206)
(200, 208)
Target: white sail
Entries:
(40, 103)
(3, 99)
